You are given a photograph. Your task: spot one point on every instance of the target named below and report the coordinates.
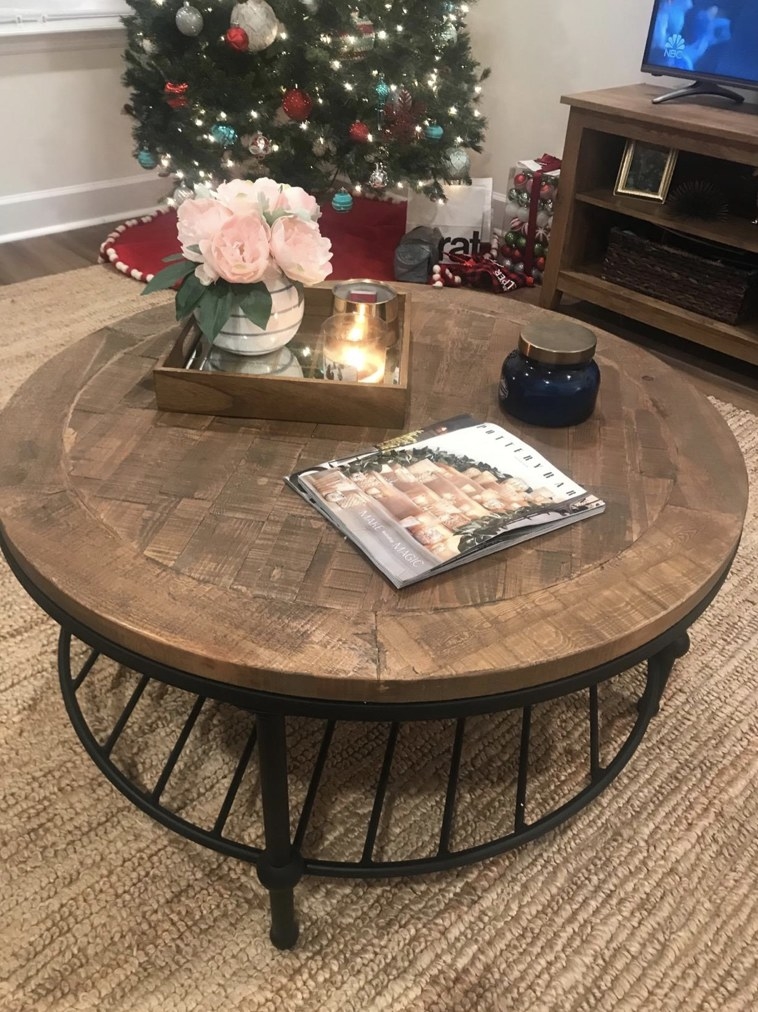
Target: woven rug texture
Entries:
(647, 901)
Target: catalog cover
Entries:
(423, 503)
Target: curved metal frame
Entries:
(280, 864)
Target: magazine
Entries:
(433, 499)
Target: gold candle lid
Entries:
(557, 342)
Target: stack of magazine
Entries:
(433, 499)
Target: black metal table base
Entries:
(281, 862)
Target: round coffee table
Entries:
(170, 544)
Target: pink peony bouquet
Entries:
(237, 242)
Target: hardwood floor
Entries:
(719, 375)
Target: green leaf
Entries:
(214, 308)
(168, 277)
(255, 303)
(188, 296)
(173, 257)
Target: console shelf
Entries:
(600, 123)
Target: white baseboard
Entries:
(42, 212)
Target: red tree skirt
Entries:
(363, 241)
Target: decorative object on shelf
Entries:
(552, 378)
(258, 21)
(364, 297)
(189, 20)
(720, 284)
(417, 253)
(297, 104)
(529, 219)
(246, 253)
(342, 202)
(698, 198)
(645, 171)
(354, 348)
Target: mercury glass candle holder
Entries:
(354, 348)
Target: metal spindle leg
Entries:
(280, 866)
(660, 665)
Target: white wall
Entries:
(538, 52)
(67, 150)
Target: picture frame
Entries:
(645, 171)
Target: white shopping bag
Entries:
(465, 221)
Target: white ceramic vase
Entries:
(242, 337)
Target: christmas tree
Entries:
(323, 94)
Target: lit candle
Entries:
(354, 348)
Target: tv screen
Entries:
(704, 41)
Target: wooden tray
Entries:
(179, 387)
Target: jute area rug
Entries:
(647, 900)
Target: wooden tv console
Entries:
(722, 138)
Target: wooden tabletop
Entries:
(174, 535)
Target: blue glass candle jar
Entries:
(552, 378)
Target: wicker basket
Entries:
(717, 289)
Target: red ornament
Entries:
(237, 38)
(359, 132)
(176, 94)
(539, 263)
(519, 179)
(297, 104)
(529, 281)
(546, 191)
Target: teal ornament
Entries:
(382, 93)
(459, 162)
(342, 201)
(224, 134)
(434, 132)
(147, 159)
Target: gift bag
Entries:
(523, 246)
(465, 220)
(416, 254)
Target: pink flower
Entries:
(262, 196)
(199, 220)
(301, 203)
(300, 250)
(238, 252)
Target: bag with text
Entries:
(465, 220)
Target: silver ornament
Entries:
(258, 20)
(379, 180)
(149, 46)
(449, 34)
(459, 162)
(259, 145)
(189, 20)
(182, 193)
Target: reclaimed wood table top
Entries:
(174, 535)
